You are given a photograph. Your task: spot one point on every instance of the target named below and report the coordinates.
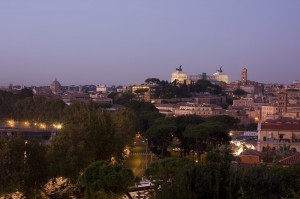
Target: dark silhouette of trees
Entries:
(88, 135)
(206, 86)
(146, 114)
(216, 177)
(152, 81)
(38, 108)
(121, 98)
(232, 123)
(183, 178)
(239, 93)
(106, 178)
(125, 123)
(24, 93)
(207, 136)
(181, 123)
(160, 136)
(23, 166)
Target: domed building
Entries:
(221, 76)
(179, 76)
(55, 87)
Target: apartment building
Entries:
(204, 110)
(274, 134)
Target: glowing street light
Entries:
(42, 126)
(57, 126)
(26, 124)
(11, 123)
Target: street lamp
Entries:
(147, 154)
(11, 123)
(147, 144)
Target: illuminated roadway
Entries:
(140, 157)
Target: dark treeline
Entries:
(208, 172)
(23, 105)
(166, 90)
(89, 134)
(215, 177)
(193, 132)
(85, 151)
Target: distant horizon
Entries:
(109, 85)
(125, 42)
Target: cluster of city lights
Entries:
(26, 124)
(239, 146)
(57, 126)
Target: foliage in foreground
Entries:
(106, 178)
(216, 178)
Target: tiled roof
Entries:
(280, 126)
(250, 152)
(294, 159)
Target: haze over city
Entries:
(125, 42)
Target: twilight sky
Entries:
(126, 41)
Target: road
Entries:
(140, 157)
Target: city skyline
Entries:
(123, 43)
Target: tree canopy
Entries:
(88, 135)
(23, 166)
(239, 92)
(215, 177)
(101, 176)
(152, 81)
(160, 135)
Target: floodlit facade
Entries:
(269, 112)
(279, 133)
(204, 110)
(144, 91)
(220, 76)
(101, 88)
(179, 76)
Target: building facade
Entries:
(277, 134)
(204, 110)
(244, 75)
(181, 77)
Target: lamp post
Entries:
(147, 154)
(147, 145)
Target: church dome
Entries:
(55, 86)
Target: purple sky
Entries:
(126, 41)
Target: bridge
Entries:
(45, 135)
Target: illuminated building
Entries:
(220, 76)
(182, 77)
(145, 91)
(179, 76)
(204, 110)
(275, 134)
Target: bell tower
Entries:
(244, 75)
